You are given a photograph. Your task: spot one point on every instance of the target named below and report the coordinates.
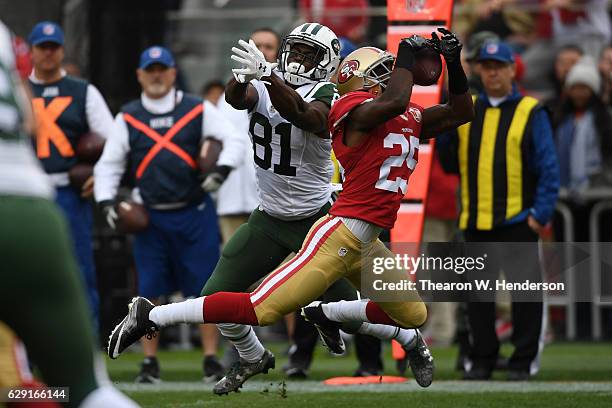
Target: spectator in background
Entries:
(605, 69)
(507, 195)
(179, 248)
(559, 23)
(66, 108)
(583, 22)
(474, 43)
(213, 90)
(583, 129)
(565, 59)
(267, 41)
(346, 18)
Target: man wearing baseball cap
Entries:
(66, 108)
(157, 139)
(509, 178)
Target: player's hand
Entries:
(213, 181)
(415, 43)
(254, 64)
(110, 213)
(87, 188)
(448, 46)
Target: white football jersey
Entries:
(20, 171)
(293, 166)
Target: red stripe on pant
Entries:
(299, 267)
(228, 307)
(293, 260)
(375, 314)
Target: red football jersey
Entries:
(376, 172)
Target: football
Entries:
(89, 147)
(209, 154)
(133, 217)
(427, 67)
(79, 174)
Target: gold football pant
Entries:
(330, 252)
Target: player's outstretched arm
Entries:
(459, 109)
(311, 117)
(239, 92)
(241, 96)
(395, 99)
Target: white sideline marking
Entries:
(410, 386)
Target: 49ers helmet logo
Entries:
(346, 72)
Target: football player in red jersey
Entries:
(375, 132)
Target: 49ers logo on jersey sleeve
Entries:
(347, 70)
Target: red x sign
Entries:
(165, 141)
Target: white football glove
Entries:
(254, 64)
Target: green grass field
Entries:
(571, 375)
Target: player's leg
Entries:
(38, 255)
(248, 256)
(408, 313)
(79, 214)
(323, 259)
(385, 320)
(251, 253)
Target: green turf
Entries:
(336, 400)
(561, 363)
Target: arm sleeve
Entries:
(99, 118)
(546, 166)
(111, 166)
(215, 125)
(326, 93)
(447, 147)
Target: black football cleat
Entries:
(329, 331)
(420, 361)
(241, 371)
(213, 370)
(135, 325)
(149, 371)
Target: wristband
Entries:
(405, 57)
(457, 80)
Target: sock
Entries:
(346, 311)
(188, 311)
(244, 338)
(107, 396)
(229, 307)
(386, 332)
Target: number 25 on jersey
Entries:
(409, 150)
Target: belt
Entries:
(169, 206)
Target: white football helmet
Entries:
(324, 59)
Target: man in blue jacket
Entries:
(509, 176)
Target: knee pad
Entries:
(409, 315)
(417, 314)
